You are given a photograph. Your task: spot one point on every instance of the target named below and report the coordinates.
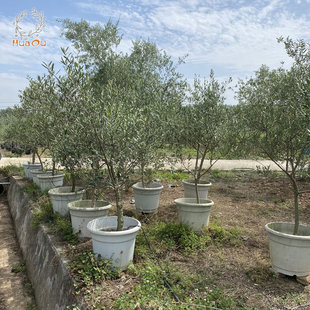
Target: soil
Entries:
(247, 201)
(15, 289)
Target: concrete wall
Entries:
(51, 280)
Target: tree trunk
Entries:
(40, 160)
(119, 207)
(196, 190)
(33, 156)
(73, 179)
(296, 205)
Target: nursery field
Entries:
(226, 267)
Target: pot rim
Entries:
(192, 202)
(49, 176)
(157, 186)
(200, 184)
(31, 164)
(114, 233)
(286, 235)
(105, 207)
(54, 191)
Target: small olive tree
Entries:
(275, 120)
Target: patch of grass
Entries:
(10, 170)
(165, 237)
(87, 270)
(59, 226)
(33, 190)
(44, 215)
(220, 235)
(180, 236)
(28, 288)
(153, 291)
(21, 267)
(169, 176)
(260, 274)
(31, 306)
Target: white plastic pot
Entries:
(28, 167)
(147, 198)
(48, 181)
(35, 174)
(82, 213)
(118, 246)
(194, 214)
(290, 254)
(190, 192)
(61, 196)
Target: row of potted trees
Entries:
(115, 111)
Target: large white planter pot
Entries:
(190, 192)
(82, 213)
(118, 246)
(194, 214)
(48, 181)
(28, 167)
(61, 196)
(147, 198)
(290, 254)
(35, 173)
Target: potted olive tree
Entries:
(203, 128)
(275, 114)
(159, 87)
(109, 116)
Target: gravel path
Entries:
(223, 164)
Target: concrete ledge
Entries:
(51, 280)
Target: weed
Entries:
(21, 267)
(220, 235)
(169, 176)
(63, 229)
(28, 288)
(260, 274)
(87, 270)
(60, 226)
(31, 306)
(152, 293)
(44, 215)
(10, 170)
(33, 190)
(181, 237)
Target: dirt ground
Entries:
(15, 290)
(247, 201)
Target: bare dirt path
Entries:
(14, 290)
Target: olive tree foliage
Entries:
(127, 104)
(202, 124)
(68, 148)
(32, 117)
(273, 116)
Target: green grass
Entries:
(154, 293)
(12, 170)
(169, 176)
(60, 226)
(87, 270)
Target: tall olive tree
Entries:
(275, 121)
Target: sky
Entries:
(232, 37)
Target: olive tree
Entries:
(202, 124)
(275, 121)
